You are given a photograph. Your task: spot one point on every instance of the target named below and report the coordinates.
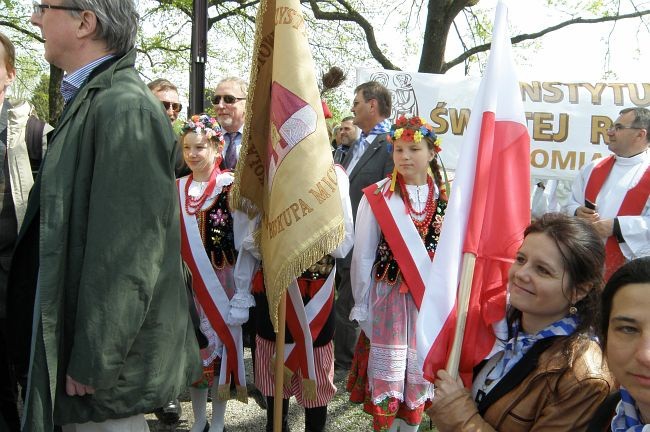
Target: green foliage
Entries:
(40, 98)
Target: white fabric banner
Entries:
(567, 122)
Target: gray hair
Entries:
(117, 22)
(243, 85)
(641, 119)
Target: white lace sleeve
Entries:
(366, 240)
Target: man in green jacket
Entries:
(100, 244)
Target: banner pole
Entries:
(279, 364)
(464, 293)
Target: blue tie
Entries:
(231, 153)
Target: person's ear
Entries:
(87, 24)
(581, 292)
(11, 76)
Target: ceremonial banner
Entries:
(486, 216)
(567, 121)
(285, 169)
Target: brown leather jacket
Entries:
(559, 395)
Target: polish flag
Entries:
(489, 209)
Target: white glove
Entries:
(237, 316)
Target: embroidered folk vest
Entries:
(385, 265)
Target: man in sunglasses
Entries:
(229, 102)
(97, 268)
(613, 192)
(167, 93)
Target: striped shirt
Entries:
(72, 83)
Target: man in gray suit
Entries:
(366, 163)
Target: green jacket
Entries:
(111, 307)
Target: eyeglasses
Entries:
(227, 99)
(174, 105)
(618, 128)
(40, 8)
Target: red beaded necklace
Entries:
(194, 205)
(429, 208)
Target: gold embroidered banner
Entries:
(285, 168)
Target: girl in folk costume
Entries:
(309, 352)
(210, 240)
(397, 229)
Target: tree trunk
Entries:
(440, 16)
(54, 94)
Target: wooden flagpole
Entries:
(279, 364)
(464, 294)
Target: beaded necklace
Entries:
(429, 208)
(193, 205)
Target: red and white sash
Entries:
(213, 299)
(305, 324)
(632, 205)
(402, 237)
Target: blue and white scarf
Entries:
(380, 128)
(627, 418)
(522, 342)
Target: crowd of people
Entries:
(126, 277)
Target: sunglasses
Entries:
(174, 105)
(227, 99)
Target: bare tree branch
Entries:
(351, 15)
(238, 11)
(22, 30)
(522, 37)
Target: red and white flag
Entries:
(488, 210)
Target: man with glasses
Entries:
(229, 102)
(167, 93)
(367, 162)
(98, 251)
(612, 192)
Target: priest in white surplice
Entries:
(613, 191)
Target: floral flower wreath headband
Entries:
(414, 129)
(203, 124)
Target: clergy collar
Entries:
(633, 160)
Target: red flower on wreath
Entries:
(415, 121)
(401, 121)
(407, 135)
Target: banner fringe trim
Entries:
(293, 268)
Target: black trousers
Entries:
(8, 385)
(315, 418)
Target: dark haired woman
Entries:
(625, 334)
(550, 376)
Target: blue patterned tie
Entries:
(231, 153)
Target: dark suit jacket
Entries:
(375, 164)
